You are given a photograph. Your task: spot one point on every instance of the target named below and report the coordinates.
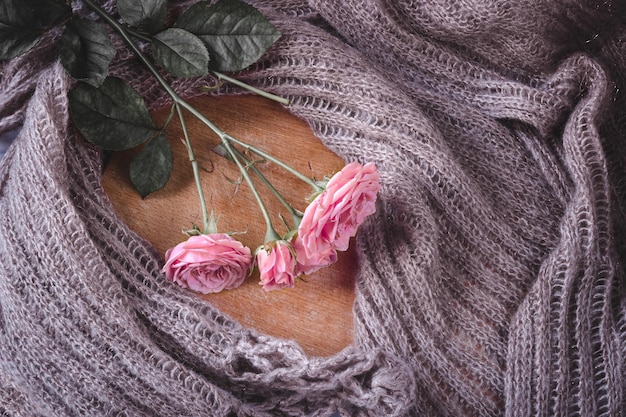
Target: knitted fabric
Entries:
(491, 277)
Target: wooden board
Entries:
(317, 312)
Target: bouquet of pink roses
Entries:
(211, 261)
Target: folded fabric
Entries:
(491, 276)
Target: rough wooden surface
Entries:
(317, 313)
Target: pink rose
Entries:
(208, 263)
(319, 254)
(277, 265)
(335, 215)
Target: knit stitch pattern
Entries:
(491, 278)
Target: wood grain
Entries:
(317, 312)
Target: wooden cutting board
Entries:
(317, 312)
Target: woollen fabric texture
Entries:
(491, 278)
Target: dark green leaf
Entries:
(147, 15)
(181, 53)
(235, 33)
(152, 167)
(16, 41)
(114, 116)
(86, 51)
(14, 12)
(23, 22)
(48, 13)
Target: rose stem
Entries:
(302, 177)
(296, 215)
(270, 232)
(248, 87)
(196, 171)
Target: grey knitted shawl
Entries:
(491, 278)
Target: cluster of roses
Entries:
(211, 262)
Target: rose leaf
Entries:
(148, 15)
(180, 52)
(151, 168)
(235, 33)
(86, 51)
(113, 116)
(23, 22)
